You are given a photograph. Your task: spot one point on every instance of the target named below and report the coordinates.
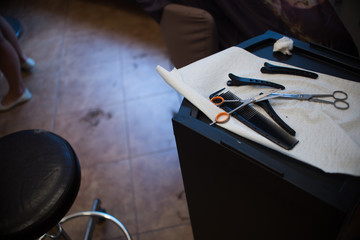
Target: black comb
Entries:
(269, 110)
(258, 122)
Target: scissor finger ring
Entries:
(340, 95)
(221, 118)
(341, 104)
(220, 100)
(217, 100)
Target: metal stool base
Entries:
(97, 214)
(101, 215)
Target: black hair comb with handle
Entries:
(258, 122)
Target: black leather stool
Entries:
(40, 178)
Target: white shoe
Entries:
(28, 65)
(23, 98)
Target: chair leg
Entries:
(64, 236)
(57, 232)
(94, 220)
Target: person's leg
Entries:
(10, 66)
(10, 36)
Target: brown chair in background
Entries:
(189, 33)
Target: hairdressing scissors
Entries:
(225, 116)
(338, 96)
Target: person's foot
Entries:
(28, 64)
(10, 102)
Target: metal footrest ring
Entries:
(98, 214)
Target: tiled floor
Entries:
(95, 84)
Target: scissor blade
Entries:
(271, 96)
(252, 100)
(263, 96)
(247, 102)
(288, 96)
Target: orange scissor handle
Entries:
(222, 117)
(217, 100)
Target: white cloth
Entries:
(329, 138)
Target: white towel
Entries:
(329, 138)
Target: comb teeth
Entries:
(258, 122)
(230, 96)
(246, 112)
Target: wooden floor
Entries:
(95, 84)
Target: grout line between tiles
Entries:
(129, 98)
(133, 196)
(126, 117)
(153, 152)
(150, 95)
(165, 228)
(60, 68)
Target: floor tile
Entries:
(14, 121)
(95, 84)
(91, 48)
(140, 76)
(142, 49)
(150, 127)
(111, 183)
(40, 108)
(143, 29)
(43, 89)
(98, 135)
(92, 86)
(174, 233)
(159, 191)
(47, 53)
(91, 17)
(43, 19)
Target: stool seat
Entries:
(40, 178)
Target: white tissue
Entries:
(284, 45)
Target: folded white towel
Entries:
(329, 138)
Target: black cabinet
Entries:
(238, 189)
